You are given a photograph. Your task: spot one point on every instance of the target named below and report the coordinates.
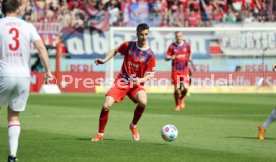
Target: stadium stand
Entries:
(178, 13)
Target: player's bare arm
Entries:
(190, 58)
(148, 76)
(43, 54)
(168, 58)
(110, 54)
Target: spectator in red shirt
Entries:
(75, 4)
(193, 19)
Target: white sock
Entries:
(269, 119)
(13, 132)
(101, 134)
(132, 125)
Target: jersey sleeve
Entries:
(150, 68)
(122, 49)
(34, 34)
(169, 51)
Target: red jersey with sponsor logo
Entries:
(137, 61)
(180, 64)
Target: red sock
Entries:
(183, 94)
(176, 98)
(137, 114)
(103, 120)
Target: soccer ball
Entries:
(169, 132)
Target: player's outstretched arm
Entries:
(168, 58)
(110, 54)
(44, 58)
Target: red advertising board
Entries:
(71, 81)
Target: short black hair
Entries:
(9, 6)
(142, 27)
(175, 33)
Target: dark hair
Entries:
(9, 6)
(177, 32)
(142, 27)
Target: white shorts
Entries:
(14, 91)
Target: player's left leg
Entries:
(12, 159)
(261, 128)
(176, 98)
(176, 78)
(13, 132)
(184, 85)
(141, 99)
(270, 118)
(183, 91)
(109, 101)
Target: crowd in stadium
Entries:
(190, 13)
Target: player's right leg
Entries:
(109, 101)
(17, 103)
(115, 94)
(261, 128)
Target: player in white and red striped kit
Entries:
(15, 40)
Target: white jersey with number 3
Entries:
(15, 38)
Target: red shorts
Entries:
(119, 93)
(180, 77)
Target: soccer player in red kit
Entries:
(180, 54)
(138, 67)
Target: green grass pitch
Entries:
(213, 127)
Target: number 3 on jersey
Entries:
(15, 35)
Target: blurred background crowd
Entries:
(176, 13)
